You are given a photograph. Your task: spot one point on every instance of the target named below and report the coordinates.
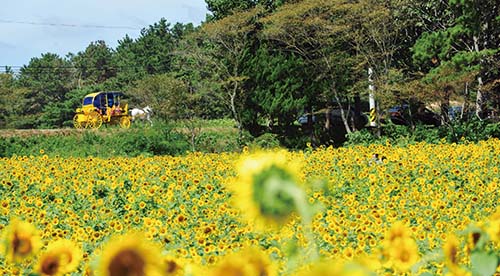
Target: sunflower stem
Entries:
(305, 212)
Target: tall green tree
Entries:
(223, 8)
(381, 34)
(13, 101)
(48, 80)
(154, 47)
(165, 94)
(95, 64)
(467, 41)
(280, 88)
(308, 28)
(128, 67)
(152, 53)
(221, 50)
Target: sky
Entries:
(30, 28)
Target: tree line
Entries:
(264, 63)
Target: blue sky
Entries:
(29, 28)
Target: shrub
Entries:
(266, 141)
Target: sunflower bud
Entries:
(267, 188)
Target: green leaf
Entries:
(483, 263)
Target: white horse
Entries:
(143, 114)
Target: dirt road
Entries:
(32, 132)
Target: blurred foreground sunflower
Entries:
(174, 266)
(451, 248)
(266, 188)
(334, 268)
(19, 240)
(61, 257)
(399, 248)
(246, 262)
(493, 227)
(130, 255)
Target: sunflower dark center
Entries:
(50, 265)
(172, 267)
(127, 262)
(21, 245)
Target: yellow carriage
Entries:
(102, 107)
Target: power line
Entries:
(68, 25)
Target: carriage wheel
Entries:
(94, 120)
(125, 122)
(76, 122)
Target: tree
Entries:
(153, 48)
(307, 28)
(223, 8)
(171, 100)
(94, 65)
(164, 93)
(468, 39)
(150, 54)
(48, 79)
(220, 49)
(281, 89)
(12, 102)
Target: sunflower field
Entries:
(420, 209)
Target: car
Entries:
(304, 119)
(404, 115)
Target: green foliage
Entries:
(217, 141)
(48, 78)
(472, 130)
(12, 100)
(107, 143)
(95, 65)
(432, 47)
(166, 95)
(266, 141)
(151, 53)
(278, 85)
(224, 8)
(362, 137)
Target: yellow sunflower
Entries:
(19, 240)
(246, 262)
(266, 188)
(173, 266)
(62, 256)
(400, 248)
(493, 227)
(398, 231)
(334, 268)
(404, 254)
(130, 254)
(450, 250)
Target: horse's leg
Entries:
(148, 117)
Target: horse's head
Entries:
(148, 109)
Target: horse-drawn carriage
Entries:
(102, 107)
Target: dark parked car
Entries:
(401, 115)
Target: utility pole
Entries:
(371, 99)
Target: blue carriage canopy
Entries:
(102, 100)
